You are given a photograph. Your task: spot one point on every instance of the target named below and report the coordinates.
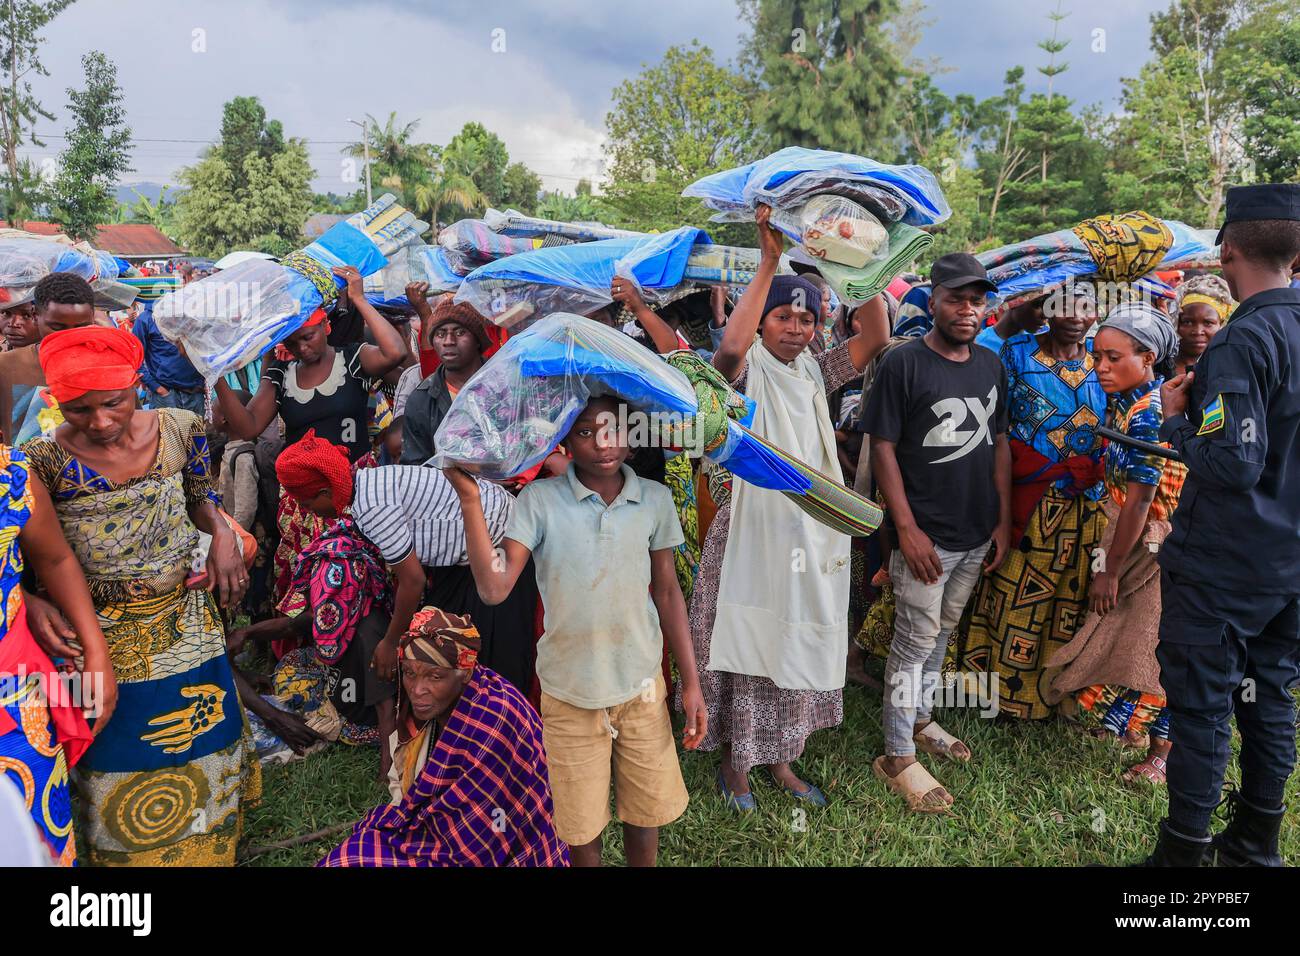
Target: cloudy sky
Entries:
(538, 74)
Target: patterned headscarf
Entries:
(1209, 290)
(441, 639)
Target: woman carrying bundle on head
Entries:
(1110, 667)
(769, 614)
(322, 388)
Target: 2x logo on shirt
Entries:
(952, 414)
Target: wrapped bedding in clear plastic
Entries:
(514, 223)
(519, 406)
(473, 241)
(232, 317)
(789, 177)
(25, 260)
(835, 229)
(576, 278)
(1116, 249)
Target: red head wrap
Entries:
(308, 467)
(89, 359)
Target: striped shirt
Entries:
(404, 508)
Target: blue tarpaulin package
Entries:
(790, 177)
(519, 407)
(576, 278)
(232, 317)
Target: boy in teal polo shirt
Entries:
(603, 542)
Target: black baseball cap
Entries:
(1263, 201)
(958, 269)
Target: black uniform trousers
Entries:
(1222, 652)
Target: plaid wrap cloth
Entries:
(482, 799)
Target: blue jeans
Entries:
(190, 401)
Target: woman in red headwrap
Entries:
(323, 388)
(167, 780)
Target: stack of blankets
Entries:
(859, 218)
(1123, 248)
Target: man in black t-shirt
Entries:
(937, 417)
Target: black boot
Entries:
(1250, 838)
(1176, 849)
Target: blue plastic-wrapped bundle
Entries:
(26, 260)
(1025, 269)
(576, 278)
(514, 223)
(232, 317)
(516, 410)
(790, 177)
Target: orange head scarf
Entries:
(90, 359)
(309, 466)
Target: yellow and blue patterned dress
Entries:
(168, 779)
(31, 754)
(1030, 606)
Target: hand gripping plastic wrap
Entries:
(790, 177)
(517, 409)
(230, 318)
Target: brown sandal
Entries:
(913, 783)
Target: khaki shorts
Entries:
(583, 754)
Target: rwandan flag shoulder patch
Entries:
(1212, 417)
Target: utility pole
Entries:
(365, 146)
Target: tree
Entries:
(482, 157)
(683, 118)
(260, 206)
(245, 131)
(1266, 73)
(21, 22)
(447, 192)
(1181, 141)
(828, 72)
(1004, 162)
(158, 214)
(397, 163)
(580, 207)
(98, 152)
(523, 187)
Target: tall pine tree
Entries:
(828, 72)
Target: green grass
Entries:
(1035, 794)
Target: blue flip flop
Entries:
(741, 803)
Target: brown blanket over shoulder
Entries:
(1119, 648)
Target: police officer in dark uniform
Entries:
(1230, 569)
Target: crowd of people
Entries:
(256, 571)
